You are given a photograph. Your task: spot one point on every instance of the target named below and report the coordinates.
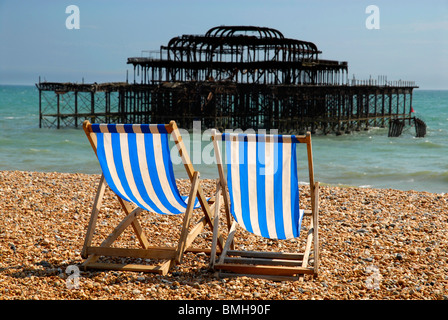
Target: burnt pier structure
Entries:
(231, 77)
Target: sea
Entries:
(366, 159)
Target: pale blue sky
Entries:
(411, 44)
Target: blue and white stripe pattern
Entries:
(263, 184)
(136, 163)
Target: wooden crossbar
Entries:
(266, 255)
(148, 253)
(263, 261)
(160, 269)
(261, 269)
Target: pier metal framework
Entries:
(233, 77)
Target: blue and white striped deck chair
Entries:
(263, 187)
(136, 165)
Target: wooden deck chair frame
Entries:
(169, 256)
(277, 266)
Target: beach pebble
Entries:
(380, 244)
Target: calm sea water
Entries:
(363, 159)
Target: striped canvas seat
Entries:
(263, 187)
(263, 184)
(136, 163)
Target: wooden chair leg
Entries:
(94, 216)
(215, 226)
(229, 242)
(128, 208)
(116, 233)
(316, 227)
(187, 218)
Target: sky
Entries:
(410, 43)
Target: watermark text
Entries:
(373, 20)
(73, 20)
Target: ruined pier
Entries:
(234, 77)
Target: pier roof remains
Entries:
(241, 54)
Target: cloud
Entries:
(430, 26)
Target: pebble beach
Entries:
(375, 244)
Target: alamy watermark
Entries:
(373, 20)
(72, 281)
(373, 281)
(73, 20)
(201, 149)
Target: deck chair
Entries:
(136, 165)
(263, 198)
